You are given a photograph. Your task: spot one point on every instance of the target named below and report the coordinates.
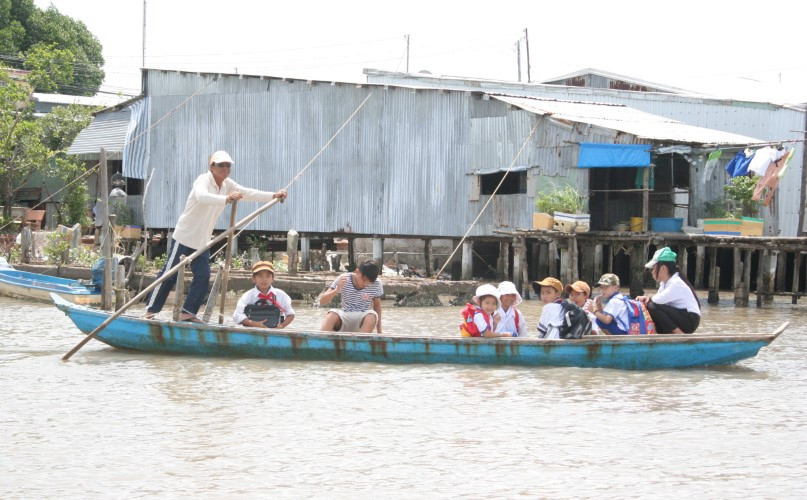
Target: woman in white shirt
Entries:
(674, 308)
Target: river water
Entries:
(118, 424)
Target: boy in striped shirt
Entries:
(361, 293)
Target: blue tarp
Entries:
(595, 155)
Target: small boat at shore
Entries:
(634, 352)
(25, 285)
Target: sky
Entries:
(742, 50)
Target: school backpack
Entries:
(468, 328)
(639, 320)
(266, 312)
(576, 323)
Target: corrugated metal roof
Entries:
(107, 130)
(625, 119)
(64, 99)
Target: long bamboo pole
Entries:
(246, 220)
(228, 256)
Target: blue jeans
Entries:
(200, 267)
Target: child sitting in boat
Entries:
(264, 306)
(361, 293)
(610, 308)
(512, 321)
(580, 294)
(479, 319)
(552, 313)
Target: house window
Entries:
(514, 183)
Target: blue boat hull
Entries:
(634, 352)
(25, 285)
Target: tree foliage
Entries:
(63, 55)
(29, 144)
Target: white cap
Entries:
(507, 288)
(220, 157)
(483, 290)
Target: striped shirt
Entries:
(358, 299)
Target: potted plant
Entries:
(123, 222)
(736, 213)
(565, 207)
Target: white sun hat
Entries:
(507, 288)
(483, 290)
(220, 157)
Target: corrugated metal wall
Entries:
(400, 167)
(761, 120)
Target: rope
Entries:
(493, 195)
(317, 155)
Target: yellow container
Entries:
(636, 224)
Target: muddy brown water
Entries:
(118, 424)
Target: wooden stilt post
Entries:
(761, 273)
(637, 263)
(292, 239)
(574, 272)
(552, 259)
(781, 267)
(214, 293)
(427, 256)
(503, 262)
(107, 297)
(525, 278)
(609, 268)
(351, 253)
(738, 268)
(305, 253)
(714, 277)
(378, 251)
(179, 291)
(467, 260)
(564, 265)
(768, 272)
(683, 260)
(543, 262)
(598, 249)
(120, 286)
(518, 262)
(796, 271)
(746, 283)
(700, 259)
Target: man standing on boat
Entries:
(210, 194)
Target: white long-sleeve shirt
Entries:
(204, 206)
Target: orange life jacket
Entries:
(468, 328)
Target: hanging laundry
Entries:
(790, 154)
(770, 181)
(711, 163)
(739, 164)
(762, 160)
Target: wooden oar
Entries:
(246, 220)
(228, 256)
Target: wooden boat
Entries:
(635, 352)
(25, 285)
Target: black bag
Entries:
(575, 321)
(264, 312)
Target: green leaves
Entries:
(62, 54)
(565, 199)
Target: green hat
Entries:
(662, 255)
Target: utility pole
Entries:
(518, 58)
(527, 46)
(144, 34)
(803, 195)
(407, 54)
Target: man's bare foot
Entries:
(190, 317)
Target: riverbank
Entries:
(410, 292)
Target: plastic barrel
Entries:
(636, 224)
